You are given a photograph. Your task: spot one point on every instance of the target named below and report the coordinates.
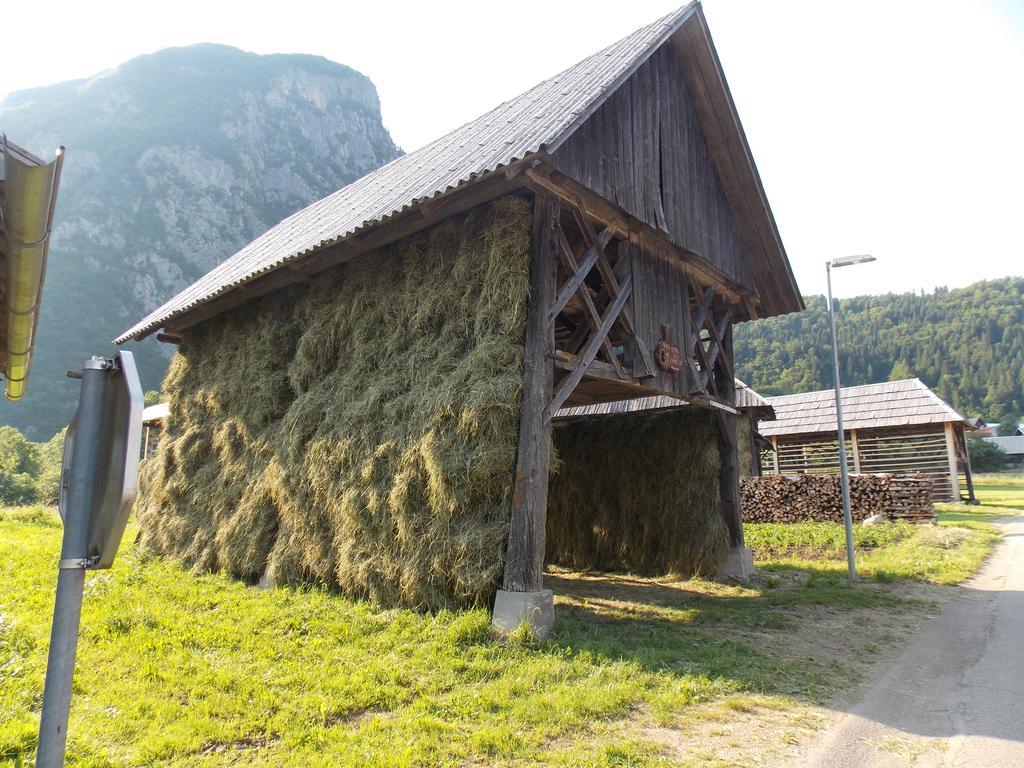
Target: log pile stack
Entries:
(799, 498)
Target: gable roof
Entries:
(536, 121)
(888, 404)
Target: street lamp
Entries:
(844, 478)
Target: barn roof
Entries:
(889, 404)
(154, 414)
(1013, 445)
(746, 400)
(534, 122)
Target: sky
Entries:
(894, 128)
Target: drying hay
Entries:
(637, 492)
(360, 431)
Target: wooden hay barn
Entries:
(364, 395)
(899, 427)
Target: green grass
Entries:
(818, 540)
(201, 670)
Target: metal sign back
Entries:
(117, 466)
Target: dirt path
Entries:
(955, 696)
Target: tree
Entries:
(985, 456)
(1008, 425)
(29, 472)
(18, 467)
(50, 456)
(900, 371)
(152, 397)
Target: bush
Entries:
(29, 472)
(985, 456)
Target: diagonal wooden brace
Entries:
(589, 352)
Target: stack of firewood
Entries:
(796, 498)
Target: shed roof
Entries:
(536, 121)
(888, 404)
(746, 400)
(153, 414)
(1013, 445)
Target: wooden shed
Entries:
(648, 236)
(900, 427)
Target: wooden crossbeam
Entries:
(577, 272)
(577, 276)
(702, 311)
(608, 275)
(589, 352)
(716, 335)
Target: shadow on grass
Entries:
(962, 674)
(732, 633)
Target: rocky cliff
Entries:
(174, 161)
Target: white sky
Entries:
(887, 127)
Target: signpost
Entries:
(98, 482)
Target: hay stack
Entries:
(358, 432)
(637, 492)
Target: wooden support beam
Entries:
(855, 445)
(575, 286)
(755, 455)
(524, 558)
(961, 441)
(954, 472)
(590, 350)
(577, 272)
(543, 176)
(728, 448)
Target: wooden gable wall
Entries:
(645, 151)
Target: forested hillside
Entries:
(967, 344)
(174, 161)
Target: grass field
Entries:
(190, 670)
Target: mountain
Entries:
(967, 344)
(174, 161)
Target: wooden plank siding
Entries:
(661, 295)
(645, 151)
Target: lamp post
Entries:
(844, 478)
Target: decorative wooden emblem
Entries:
(666, 354)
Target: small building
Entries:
(28, 197)
(1013, 445)
(364, 395)
(899, 427)
(981, 429)
(153, 417)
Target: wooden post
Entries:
(775, 454)
(856, 450)
(755, 455)
(954, 473)
(524, 560)
(728, 446)
(961, 441)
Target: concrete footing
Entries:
(537, 608)
(738, 564)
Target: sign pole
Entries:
(67, 609)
